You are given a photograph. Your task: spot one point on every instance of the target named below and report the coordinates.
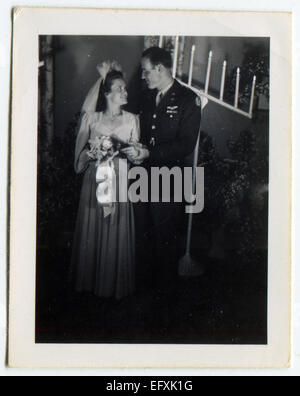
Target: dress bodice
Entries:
(92, 126)
(127, 131)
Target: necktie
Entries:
(159, 98)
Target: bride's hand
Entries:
(104, 68)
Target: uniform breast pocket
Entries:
(169, 127)
(173, 120)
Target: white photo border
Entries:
(29, 23)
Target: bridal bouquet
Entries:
(102, 149)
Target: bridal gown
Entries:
(103, 256)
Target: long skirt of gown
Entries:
(103, 256)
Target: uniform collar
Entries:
(173, 91)
(165, 90)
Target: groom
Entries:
(170, 119)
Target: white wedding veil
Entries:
(90, 103)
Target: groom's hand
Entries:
(136, 155)
(131, 152)
(144, 154)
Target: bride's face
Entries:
(118, 94)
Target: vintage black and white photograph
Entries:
(144, 270)
(156, 221)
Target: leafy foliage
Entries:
(236, 189)
(58, 185)
(256, 63)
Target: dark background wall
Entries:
(76, 59)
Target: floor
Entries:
(227, 305)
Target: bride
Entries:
(103, 256)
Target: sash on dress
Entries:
(107, 186)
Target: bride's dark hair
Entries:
(105, 88)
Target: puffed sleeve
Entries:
(136, 129)
(81, 158)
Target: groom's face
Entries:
(151, 74)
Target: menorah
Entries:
(220, 100)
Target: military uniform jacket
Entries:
(170, 130)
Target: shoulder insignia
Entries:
(198, 101)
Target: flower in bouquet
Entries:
(101, 149)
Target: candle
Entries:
(237, 88)
(161, 41)
(223, 80)
(192, 65)
(175, 57)
(252, 96)
(208, 72)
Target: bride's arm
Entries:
(136, 130)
